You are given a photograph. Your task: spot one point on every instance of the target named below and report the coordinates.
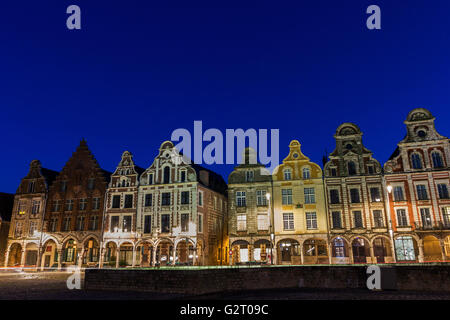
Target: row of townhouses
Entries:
(173, 213)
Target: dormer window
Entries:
(91, 182)
(150, 178)
(416, 162)
(249, 175)
(287, 174)
(351, 168)
(31, 187)
(370, 169)
(63, 186)
(437, 160)
(306, 173)
(333, 172)
(183, 176)
(422, 133)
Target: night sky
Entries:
(137, 70)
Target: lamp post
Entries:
(388, 206)
(272, 236)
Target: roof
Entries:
(215, 181)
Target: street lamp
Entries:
(272, 236)
(391, 232)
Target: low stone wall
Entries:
(201, 281)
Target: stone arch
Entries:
(431, 249)
(315, 251)
(49, 254)
(71, 248)
(91, 250)
(288, 251)
(31, 253)
(185, 251)
(240, 251)
(110, 253)
(126, 252)
(360, 249)
(406, 247)
(164, 251)
(14, 254)
(340, 249)
(262, 250)
(144, 252)
(382, 249)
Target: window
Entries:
(184, 197)
(116, 201)
(165, 223)
(91, 183)
(443, 191)
(263, 222)
(398, 194)
(126, 224)
(96, 204)
(287, 174)
(311, 220)
(150, 178)
(63, 186)
(114, 224)
(402, 219)
(336, 217)
(261, 199)
(21, 207)
(69, 205)
(148, 224)
(128, 201)
(19, 229)
(375, 195)
(165, 199)
(33, 228)
(66, 223)
(148, 200)
(83, 204)
(288, 221)
(334, 196)
(422, 192)
(437, 160)
(333, 172)
(200, 199)
(357, 219)
(354, 196)
(378, 218)
(240, 199)
(351, 168)
(200, 223)
(53, 223)
(80, 223)
(31, 187)
(416, 161)
(166, 175)
(56, 205)
(446, 216)
(306, 173)
(310, 196)
(404, 249)
(339, 247)
(370, 169)
(241, 222)
(183, 176)
(249, 175)
(93, 223)
(215, 203)
(426, 217)
(184, 222)
(36, 207)
(286, 196)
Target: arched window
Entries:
(306, 173)
(287, 174)
(437, 160)
(351, 168)
(416, 161)
(166, 177)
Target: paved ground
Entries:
(52, 285)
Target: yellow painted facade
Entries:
(299, 210)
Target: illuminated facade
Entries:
(300, 224)
(181, 213)
(359, 227)
(249, 212)
(74, 211)
(417, 176)
(24, 238)
(119, 224)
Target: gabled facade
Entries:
(359, 224)
(120, 212)
(6, 206)
(24, 238)
(417, 176)
(181, 215)
(74, 213)
(250, 222)
(299, 210)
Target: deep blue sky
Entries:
(140, 69)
